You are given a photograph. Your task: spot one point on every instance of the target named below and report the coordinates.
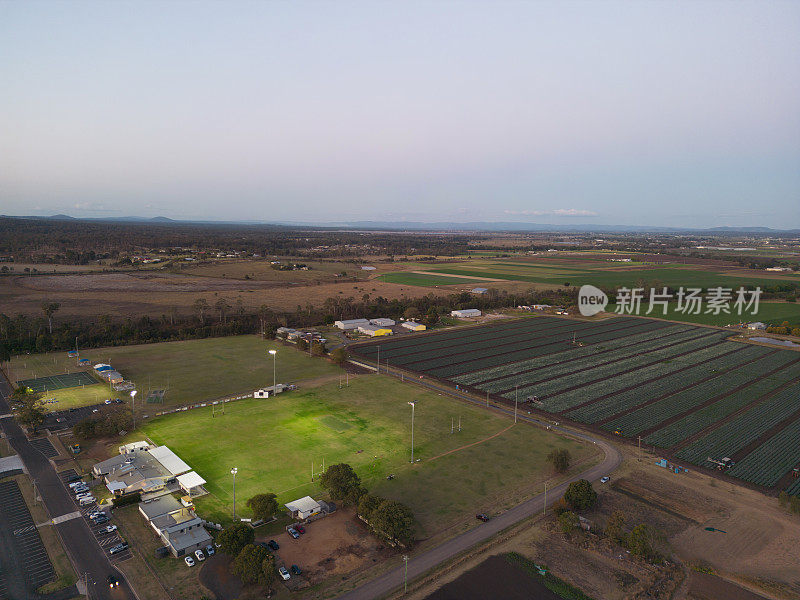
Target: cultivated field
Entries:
(273, 443)
(682, 388)
(191, 371)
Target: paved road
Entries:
(422, 563)
(84, 552)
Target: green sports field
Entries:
(192, 370)
(274, 442)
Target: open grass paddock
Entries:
(273, 443)
(191, 371)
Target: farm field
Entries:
(368, 426)
(683, 388)
(773, 313)
(191, 371)
(423, 279)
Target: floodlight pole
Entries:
(274, 378)
(413, 405)
(234, 470)
(133, 407)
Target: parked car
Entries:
(293, 532)
(482, 517)
(284, 574)
(75, 484)
(264, 545)
(100, 520)
(210, 550)
(80, 495)
(118, 401)
(604, 479)
(112, 581)
(88, 501)
(121, 547)
(296, 570)
(300, 529)
(199, 554)
(189, 561)
(107, 401)
(97, 513)
(273, 544)
(110, 528)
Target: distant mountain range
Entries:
(476, 226)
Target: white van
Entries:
(87, 501)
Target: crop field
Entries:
(190, 371)
(424, 279)
(368, 425)
(682, 388)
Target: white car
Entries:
(110, 528)
(604, 479)
(189, 561)
(199, 554)
(284, 574)
(89, 500)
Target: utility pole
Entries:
(234, 471)
(378, 363)
(516, 394)
(487, 399)
(405, 575)
(640, 446)
(544, 508)
(413, 405)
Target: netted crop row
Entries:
(491, 345)
(695, 422)
(794, 489)
(456, 365)
(608, 372)
(579, 352)
(614, 383)
(771, 460)
(740, 431)
(728, 377)
(608, 407)
(399, 345)
(498, 345)
(573, 366)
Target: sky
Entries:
(683, 114)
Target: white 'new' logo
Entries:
(591, 300)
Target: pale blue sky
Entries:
(657, 113)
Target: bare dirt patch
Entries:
(703, 586)
(335, 545)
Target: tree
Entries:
(560, 459)
(232, 539)
(794, 505)
(342, 483)
(249, 564)
(432, 316)
(49, 309)
(394, 520)
(412, 313)
(264, 506)
(302, 345)
(568, 521)
(615, 528)
(783, 499)
(339, 355)
(580, 495)
(222, 305)
(367, 505)
(268, 568)
(201, 306)
(29, 408)
(5, 355)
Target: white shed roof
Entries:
(169, 460)
(305, 504)
(190, 480)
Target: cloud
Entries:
(82, 205)
(557, 212)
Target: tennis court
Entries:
(57, 382)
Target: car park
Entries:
(121, 547)
(189, 561)
(293, 532)
(199, 554)
(296, 570)
(210, 550)
(112, 581)
(284, 574)
(273, 544)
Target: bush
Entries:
(568, 521)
